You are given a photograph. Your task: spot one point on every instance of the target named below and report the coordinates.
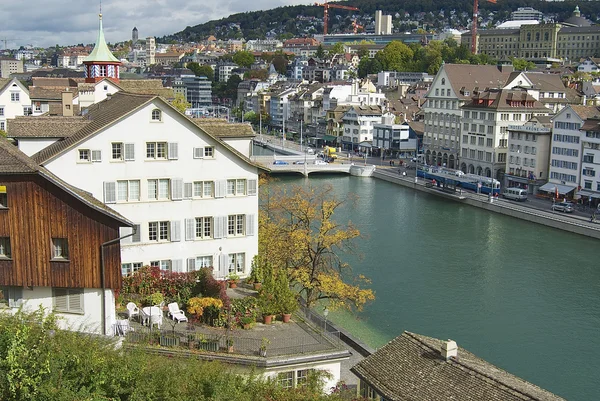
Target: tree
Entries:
(297, 234)
(280, 63)
(201, 70)
(320, 53)
(338, 48)
(180, 103)
(522, 65)
(395, 56)
(243, 59)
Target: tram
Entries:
(458, 179)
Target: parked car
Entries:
(280, 163)
(310, 151)
(565, 207)
(299, 162)
(320, 162)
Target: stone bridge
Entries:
(306, 166)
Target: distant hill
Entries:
(303, 20)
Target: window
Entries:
(236, 187)
(203, 189)
(5, 248)
(128, 269)
(158, 231)
(1, 111)
(209, 152)
(128, 190)
(14, 97)
(84, 155)
(11, 296)
(203, 261)
(302, 377)
(156, 150)
(67, 300)
(159, 189)
(27, 110)
(235, 224)
(203, 227)
(236, 262)
(60, 248)
(117, 151)
(286, 379)
(156, 115)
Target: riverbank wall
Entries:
(571, 223)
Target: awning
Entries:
(589, 194)
(329, 138)
(562, 189)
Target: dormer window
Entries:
(156, 115)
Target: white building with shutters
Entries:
(192, 197)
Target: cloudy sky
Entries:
(64, 22)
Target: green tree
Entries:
(243, 59)
(320, 53)
(280, 63)
(201, 70)
(180, 103)
(522, 65)
(338, 48)
(395, 56)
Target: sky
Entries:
(68, 22)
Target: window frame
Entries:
(159, 231)
(5, 248)
(87, 159)
(116, 151)
(156, 116)
(61, 245)
(153, 151)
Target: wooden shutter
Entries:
(177, 189)
(137, 236)
(177, 265)
(129, 151)
(252, 187)
(224, 265)
(61, 302)
(190, 229)
(175, 230)
(191, 264)
(75, 301)
(96, 155)
(173, 151)
(198, 153)
(188, 190)
(220, 188)
(220, 227)
(123, 231)
(250, 224)
(110, 192)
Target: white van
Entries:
(517, 194)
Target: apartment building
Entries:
(590, 163)
(358, 123)
(14, 101)
(10, 66)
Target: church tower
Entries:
(101, 63)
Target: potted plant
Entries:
(262, 351)
(246, 322)
(285, 298)
(230, 345)
(233, 279)
(256, 275)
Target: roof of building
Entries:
(417, 126)
(108, 112)
(146, 87)
(465, 77)
(517, 23)
(49, 93)
(15, 162)
(220, 128)
(4, 82)
(542, 81)
(367, 110)
(503, 99)
(45, 127)
(411, 367)
(101, 51)
(577, 20)
(585, 112)
(591, 125)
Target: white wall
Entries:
(139, 129)
(13, 109)
(242, 145)
(31, 146)
(334, 368)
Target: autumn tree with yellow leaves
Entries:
(297, 232)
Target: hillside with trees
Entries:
(302, 20)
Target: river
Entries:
(525, 297)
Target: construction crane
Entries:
(474, 28)
(6, 40)
(326, 7)
(356, 26)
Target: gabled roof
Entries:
(585, 112)
(109, 111)
(465, 77)
(15, 162)
(49, 93)
(101, 51)
(146, 87)
(4, 82)
(411, 367)
(501, 99)
(45, 127)
(220, 128)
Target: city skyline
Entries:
(43, 24)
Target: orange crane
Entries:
(356, 26)
(326, 7)
(474, 28)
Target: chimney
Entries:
(449, 349)
(67, 104)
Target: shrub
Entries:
(176, 287)
(208, 286)
(205, 309)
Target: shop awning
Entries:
(589, 194)
(329, 138)
(552, 187)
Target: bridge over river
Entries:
(305, 165)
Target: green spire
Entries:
(101, 51)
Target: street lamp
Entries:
(325, 314)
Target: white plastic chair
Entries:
(156, 320)
(132, 310)
(122, 327)
(176, 313)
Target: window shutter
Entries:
(110, 192)
(191, 264)
(224, 265)
(96, 155)
(123, 231)
(252, 187)
(220, 188)
(249, 224)
(220, 223)
(190, 229)
(75, 301)
(61, 302)
(173, 151)
(177, 265)
(188, 190)
(129, 151)
(175, 231)
(137, 237)
(177, 189)
(198, 153)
